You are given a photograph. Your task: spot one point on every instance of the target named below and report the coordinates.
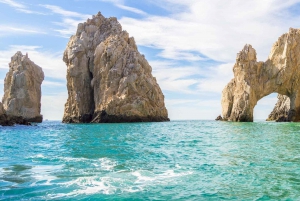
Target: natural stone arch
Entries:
(254, 80)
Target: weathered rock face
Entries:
(254, 80)
(108, 80)
(22, 89)
(281, 109)
(6, 120)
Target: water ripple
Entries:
(179, 160)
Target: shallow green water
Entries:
(178, 160)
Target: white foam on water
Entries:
(107, 164)
(157, 177)
(88, 186)
(178, 166)
(111, 182)
(44, 173)
(70, 159)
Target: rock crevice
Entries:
(108, 80)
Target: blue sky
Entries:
(191, 45)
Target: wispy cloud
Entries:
(4, 30)
(13, 4)
(69, 22)
(121, 4)
(171, 77)
(215, 78)
(20, 7)
(131, 9)
(17, 30)
(216, 29)
(65, 13)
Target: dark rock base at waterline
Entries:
(37, 119)
(6, 120)
(219, 118)
(103, 117)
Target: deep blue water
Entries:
(177, 160)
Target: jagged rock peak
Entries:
(108, 80)
(254, 80)
(22, 89)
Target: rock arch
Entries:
(254, 80)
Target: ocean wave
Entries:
(130, 182)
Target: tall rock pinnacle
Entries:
(108, 80)
(22, 90)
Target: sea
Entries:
(177, 160)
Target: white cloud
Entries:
(63, 12)
(53, 106)
(131, 9)
(51, 63)
(121, 4)
(215, 28)
(70, 20)
(20, 7)
(19, 30)
(205, 109)
(13, 4)
(172, 78)
(53, 84)
(215, 78)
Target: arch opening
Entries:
(264, 107)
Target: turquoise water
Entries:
(177, 160)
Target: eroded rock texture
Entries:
(281, 109)
(22, 89)
(108, 80)
(254, 80)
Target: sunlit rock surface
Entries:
(281, 109)
(22, 89)
(254, 80)
(108, 80)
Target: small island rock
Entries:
(22, 90)
(108, 80)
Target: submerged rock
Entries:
(254, 80)
(108, 80)
(22, 90)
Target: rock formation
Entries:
(281, 109)
(22, 90)
(219, 118)
(108, 80)
(7, 120)
(254, 80)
